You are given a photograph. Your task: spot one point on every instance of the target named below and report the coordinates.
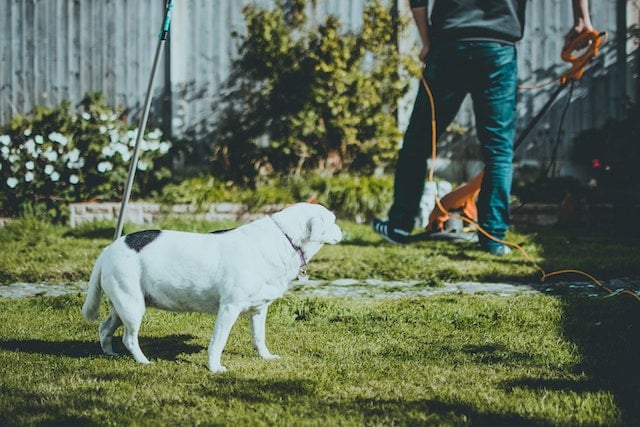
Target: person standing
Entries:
(468, 47)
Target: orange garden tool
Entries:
(464, 197)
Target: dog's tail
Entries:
(91, 306)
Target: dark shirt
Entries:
(497, 20)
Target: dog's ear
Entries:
(321, 228)
(316, 227)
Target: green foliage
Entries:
(310, 98)
(350, 197)
(53, 156)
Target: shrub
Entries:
(302, 98)
(351, 197)
(54, 156)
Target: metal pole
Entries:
(143, 121)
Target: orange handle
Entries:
(593, 39)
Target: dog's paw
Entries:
(271, 357)
(219, 369)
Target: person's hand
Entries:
(424, 52)
(575, 32)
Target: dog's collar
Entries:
(298, 249)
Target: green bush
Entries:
(54, 156)
(351, 197)
(311, 98)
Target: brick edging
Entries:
(148, 213)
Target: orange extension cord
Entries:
(544, 275)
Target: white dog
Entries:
(242, 270)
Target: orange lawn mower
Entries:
(442, 225)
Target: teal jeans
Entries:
(489, 72)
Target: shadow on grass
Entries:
(607, 332)
(164, 348)
(262, 390)
(298, 392)
(436, 412)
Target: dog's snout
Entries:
(336, 235)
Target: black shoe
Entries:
(390, 234)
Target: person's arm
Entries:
(581, 21)
(421, 18)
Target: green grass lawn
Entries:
(440, 360)
(33, 251)
(454, 360)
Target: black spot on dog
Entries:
(138, 240)
(221, 231)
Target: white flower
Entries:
(12, 182)
(73, 155)
(29, 165)
(103, 117)
(119, 147)
(50, 155)
(86, 116)
(59, 138)
(76, 165)
(49, 169)
(164, 147)
(114, 136)
(155, 134)
(55, 176)
(132, 134)
(104, 167)
(142, 165)
(108, 151)
(73, 179)
(27, 132)
(153, 146)
(5, 139)
(39, 139)
(29, 176)
(103, 129)
(30, 146)
(5, 151)
(125, 156)
(13, 158)
(123, 150)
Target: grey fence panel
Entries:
(54, 50)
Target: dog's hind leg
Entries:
(227, 316)
(107, 328)
(258, 332)
(130, 308)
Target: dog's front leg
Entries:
(227, 316)
(258, 331)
